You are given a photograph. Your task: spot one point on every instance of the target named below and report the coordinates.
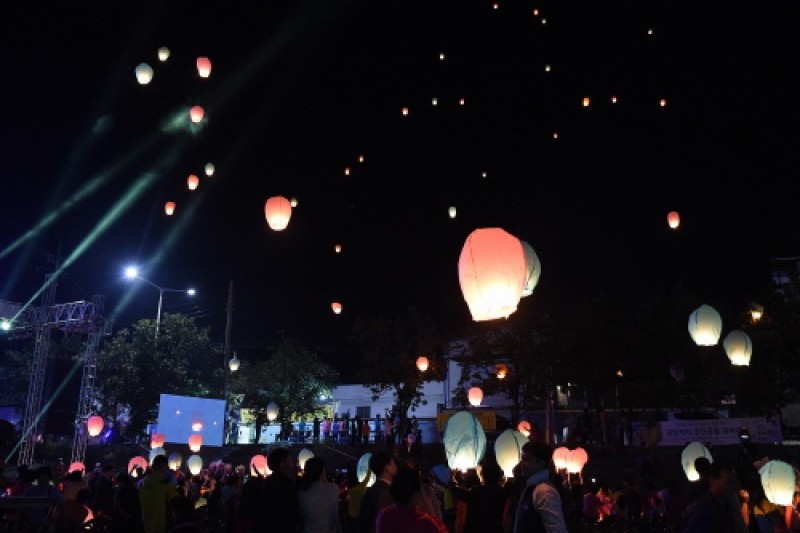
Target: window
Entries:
(363, 412)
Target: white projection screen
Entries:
(181, 416)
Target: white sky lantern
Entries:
(461, 101)
(560, 457)
(337, 308)
(705, 326)
(547, 68)
(673, 219)
(135, 462)
(258, 465)
(304, 455)
(739, 347)
(491, 272)
(362, 470)
(508, 450)
(576, 460)
(144, 73)
(203, 67)
(441, 56)
(94, 425)
(192, 182)
(157, 440)
(163, 53)
(778, 480)
(196, 114)
(533, 269)
(169, 208)
(175, 461)
(422, 363)
(451, 211)
(209, 169)
(692, 451)
(195, 464)
(278, 211)
(613, 99)
(77, 466)
(155, 452)
(434, 101)
(293, 201)
(464, 441)
(195, 442)
(272, 411)
(475, 396)
(524, 427)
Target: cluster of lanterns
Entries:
(570, 461)
(705, 328)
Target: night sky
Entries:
(298, 90)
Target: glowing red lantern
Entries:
(337, 307)
(576, 460)
(337, 248)
(422, 363)
(475, 396)
(77, 466)
(524, 427)
(195, 442)
(673, 219)
(405, 111)
(278, 211)
(501, 370)
(560, 457)
(196, 114)
(169, 208)
(157, 440)
(192, 182)
(95, 425)
(258, 465)
(203, 67)
(137, 462)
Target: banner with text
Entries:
(719, 431)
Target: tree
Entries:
(136, 367)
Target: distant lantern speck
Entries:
(613, 99)
(649, 31)
(192, 182)
(441, 56)
(673, 219)
(346, 171)
(461, 101)
(169, 208)
(495, 6)
(484, 174)
(293, 201)
(337, 308)
(547, 68)
(662, 102)
(144, 73)
(196, 114)
(535, 12)
(475, 396)
(203, 67)
(405, 111)
(209, 169)
(434, 101)
(555, 135)
(361, 158)
(337, 248)
(422, 363)
(451, 211)
(278, 211)
(163, 54)
(586, 101)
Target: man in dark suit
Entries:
(377, 496)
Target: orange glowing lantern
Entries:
(576, 461)
(169, 208)
(361, 158)
(278, 211)
(492, 272)
(135, 463)
(475, 396)
(346, 171)
(501, 370)
(524, 427)
(77, 466)
(258, 465)
(196, 114)
(195, 442)
(192, 182)
(157, 440)
(586, 101)
(422, 363)
(94, 425)
(673, 219)
(560, 458)
(204, 67)
(662, 102)
(405, 111)
(337, 308)
(337, 248)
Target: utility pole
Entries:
(227, 357)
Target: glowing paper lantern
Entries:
(674, 219)
(363, 471)
(94, 425)
(361, 158)
(586, 101)
(475, 396)
(533, 270)
(209, 169)
(464, 441)
(756, 311)
(346, 171)
(203, 67)
(576, 460)
(197, 425)
(278, 211)
(405, 111)
(778, 480)
(662, 102)
(524, 427)
(195, 442)
(705, 326)
(163, 53)
(196, 114)
(304, 455)
(491, 272)
(175, 461)
(234, 363)
(337, 248)
(192, 182)
(144, 73)
(293, 201)
(195, 464)
(137, 462)
(461, 101)
(77, 466)
(155, 452)
(272, 411)
(613, 99)
(547, 68)
(739, 347)
(501, 370)
(157, 440)
(441, 56)
(337, 308)
(451, 211)
(434, 101)
(422, 363)
(258, 465)
(555, 135)
(169, 208)
(560, 457)
(508, 450)
(692, 451)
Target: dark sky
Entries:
(299, 89)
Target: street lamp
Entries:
(132, 273)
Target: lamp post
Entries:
(132, 273)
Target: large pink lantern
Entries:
(95, 425)
(169, 208)
(196, 114)
(157, 440)
(278, 211)
(258, 465)
(77, 466)
(475, 396)
(560, 457)
(576, 461)
(195, 442)
(492, 273)
(203, 67)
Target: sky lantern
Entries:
(576, 461)
(560, 457)
(441, 56)
(649, 31)
(451, 212)
(739, 347)
(613, 99)
(258, 465)
(209, 169)
(195, 442)
(144, 73)
(155, 452)
(272, 411)
(363, 471)
(195, 464)
(778, 481)
(705, 326)
(293, 201)
(508, 450)
(461, 101)
(137, 462)
(346, 171)
(692, 451)
(337, 308)
(586, 101)
(278, 211)
(175, 461)
(524, 427)
(535, 12)
(501, 370)
(404, 111)
(422, 363)
(544, 21)
(163, 54)
(337, 248)
(484, 174)
(197, 425)
(491, 272)
(547, 68)
(495, 6)
(361, 158)
(94, 425)
(77, 466)
(756, 311)
(475, 396)
(673, 219)
(434, 101)
(662, 102)
(196, 114)
(192, 182)
(169, 208)
(464, 441)
(533, 270)
(203, 67)
(157, 440)
(304, 455)
(555, 135)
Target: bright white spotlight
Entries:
(5, 325)
(131, 272)
(191, 292)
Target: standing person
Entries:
(103, 496)
(378, 428)
(280, 509)
(377, 496)
(319, 499)
(365, 432)
(301, 427)
(316, 428)
(404, 516)
(156, 492)
(326, 430)
(485, 501)
(388, 430)
(714, 511)
(539, 507)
